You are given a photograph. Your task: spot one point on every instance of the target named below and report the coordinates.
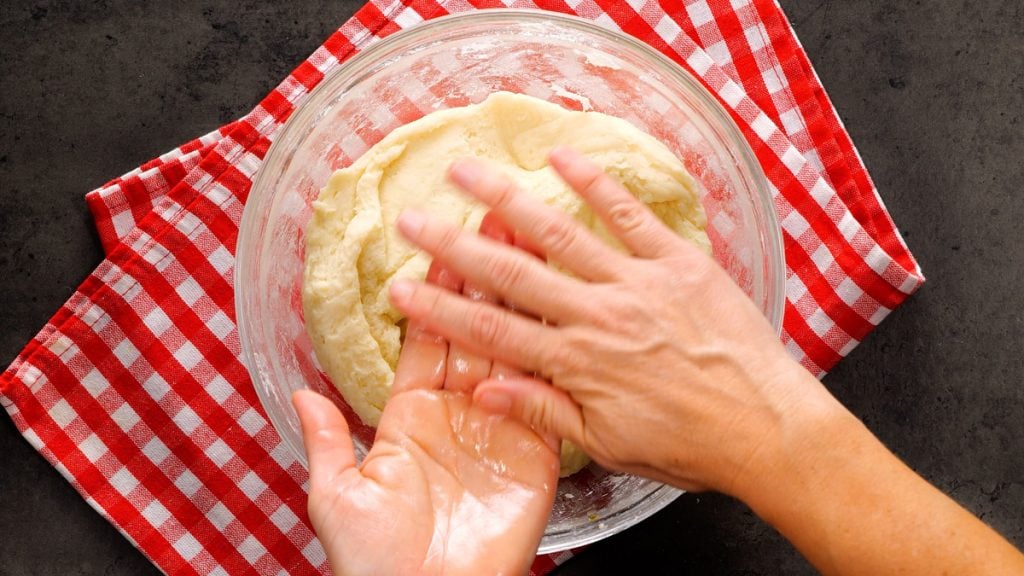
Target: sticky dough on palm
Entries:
(353, 251)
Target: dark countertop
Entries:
(932, 94)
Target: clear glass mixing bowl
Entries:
(455, 61)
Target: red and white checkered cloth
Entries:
(135, 392)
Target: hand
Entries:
(447, 487)
(660, 364)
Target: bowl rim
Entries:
(743, 155)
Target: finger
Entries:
(511, 273)
(492, 226)
(526, 245)
(326, 437)
(522, 242)
(625, 216)
(482, 328)
(561, 238)
(423, 360)
(501, 370)
(466, 369)
(550, 411)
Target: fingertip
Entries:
(421, 363)
(325, 435)
(319, 419)
(561, 156)
(492, 399)
(312, 407)
(302, 400)
(465, 172)
(401, 292)
(297, 396)
(410, 222)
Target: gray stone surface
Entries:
(931, 92)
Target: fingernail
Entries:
(495, 402)
(410, 222)
(465, 173)
(401, 292)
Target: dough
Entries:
(354, 253)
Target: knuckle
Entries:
(506, 272)
(594, 312)
(592, 182)
(504, 193)
(628, 216)
(615, 315)
(488, 326)
(610, 308)
(447, 238)
(539, 414)
(564, 357)
(559, 234)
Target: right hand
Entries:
(658, 363)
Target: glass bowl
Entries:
(459, 60)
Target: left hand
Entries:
(447, 487)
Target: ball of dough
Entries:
(354, 253)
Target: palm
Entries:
(450, 488)
(447, 487)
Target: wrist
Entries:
(812, 436)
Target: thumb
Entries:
(548, 410)
(326, 436)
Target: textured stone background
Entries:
(931, 92)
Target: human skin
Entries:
(656, 363)
(447, 487)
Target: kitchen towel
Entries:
(135, 391)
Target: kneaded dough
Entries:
(354, 252)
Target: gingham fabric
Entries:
(135, 392)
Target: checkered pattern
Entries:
(134, 390)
